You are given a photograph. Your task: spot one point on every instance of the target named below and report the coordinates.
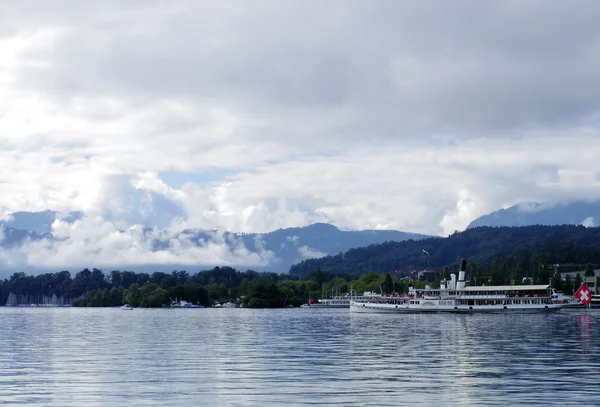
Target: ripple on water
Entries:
(241, 357)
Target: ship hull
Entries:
(366, 307)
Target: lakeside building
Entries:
(593, 282)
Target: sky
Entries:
(253, 116)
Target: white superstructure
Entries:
(342, 301)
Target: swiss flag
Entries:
(584, 294)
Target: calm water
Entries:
(295, 357)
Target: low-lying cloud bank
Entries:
(92, 241)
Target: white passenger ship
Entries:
(454, 296)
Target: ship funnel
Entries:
(461, 275)
(453, 281)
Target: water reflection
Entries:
(584, 328)
(241, 357)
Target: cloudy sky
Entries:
(255, 115)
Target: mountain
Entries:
(292, 245)
(575, 213)
(525, 246)
(38, 222)
(11, 237)
(277, 250)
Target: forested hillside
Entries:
(525, 247)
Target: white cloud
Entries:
(293, 239)
(142, 200)
(589, 222)
(310, 253)
(466, 210)
(531, 207)
(397, 115)
(92, 241)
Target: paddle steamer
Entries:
(454, 296)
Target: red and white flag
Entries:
(584, 294)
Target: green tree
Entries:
(81, 283)
(589, 270)
(262, 294)
(168, 282)
(97, 280)
(128, 278)
(578, 281)
(504, 277)
(497, 277)
(519, 274)
(544, 276)
(116, 278)
(388, 284)
(133, 296)
(115, 296)
(196, 294)
(445, 273)
(557, 282)
(319, 275)
(182, 276)
(157, 298)
(478, 275)
(142, 278)
(157, 277)
(63, 284)
(568, 285)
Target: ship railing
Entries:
(481, 296)
(499, 296)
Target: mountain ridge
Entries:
(534, 213)
(39, 222)
(523, 245)
(280, 249)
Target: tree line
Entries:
(94, 288)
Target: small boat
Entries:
(229, 304)
(184, 304)
(126, 307)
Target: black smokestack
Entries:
(463, 265)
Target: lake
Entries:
(296, 357)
